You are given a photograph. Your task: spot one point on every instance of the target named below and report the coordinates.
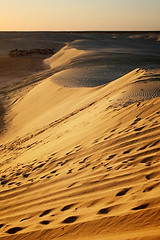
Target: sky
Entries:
(79, 15)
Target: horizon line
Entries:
(85, 31)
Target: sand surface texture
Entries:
(80, 140)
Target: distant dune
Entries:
(80, 145)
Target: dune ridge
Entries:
(82, 162)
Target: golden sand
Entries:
(82, 163)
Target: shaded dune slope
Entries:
(90, 63)
(83, 162)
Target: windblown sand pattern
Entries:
(82, 162)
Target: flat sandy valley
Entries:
(79, 136)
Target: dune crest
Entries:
(63, 57)
(55, 102)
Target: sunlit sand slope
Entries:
(89, 165)
(82, 163)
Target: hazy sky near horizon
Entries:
(62, 15)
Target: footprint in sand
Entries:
(26, 175)
(71, 185)
(106, 138)
(67, 207)
(148, 164)
(113, 130)
(68, 153)
(1, 225)
(48, 177)
(104, 211)
(70, 219)
(119, 167)
(151, 175)
(147, 159)
(3, 182)
(53, 154)
(127, 151)
(18, 184)
(54, 171)
(138, 104)
(139, 129)
(63, 163)
(10, 184)
(14, 230)
(148, 189)
(125, 162)
(155, 143)
(142, 206)
(45, 222)
(122, 192)
(109, 168)
(148, 177)
(43, 176)
(136, 121)
(84, 160)
(59, 163)
(70, 171)
(39, 166)
(45, 212)
(24, 219)
(78, 146)
(3, 176)
(132, 159)
(18, 173)
(111, 156)
(83, 167)
(142, 148)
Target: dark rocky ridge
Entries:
(19, 52)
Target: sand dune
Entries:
(82, 162)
